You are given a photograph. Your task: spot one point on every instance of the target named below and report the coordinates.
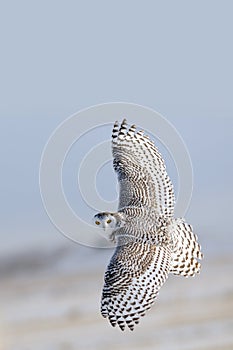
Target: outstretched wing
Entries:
(141, 171)
(133, 278)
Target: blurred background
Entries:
(59, 57)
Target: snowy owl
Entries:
(150, 242)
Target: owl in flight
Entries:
(150, 242)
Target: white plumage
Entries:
(151, 243)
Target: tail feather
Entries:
(186, 251)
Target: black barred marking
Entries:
(154, 186)
(133, 302)
(186, 250)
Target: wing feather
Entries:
(133, 278)
(141, 171)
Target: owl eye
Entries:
(97, 223)
(109, 221)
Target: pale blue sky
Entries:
(59, 57)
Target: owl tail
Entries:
(186, 250)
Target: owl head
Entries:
(106, 220)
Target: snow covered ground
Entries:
(50, 301)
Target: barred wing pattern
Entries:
(142, 175)
(134, 276)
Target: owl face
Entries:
(105, 220)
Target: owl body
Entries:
(151, 243)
